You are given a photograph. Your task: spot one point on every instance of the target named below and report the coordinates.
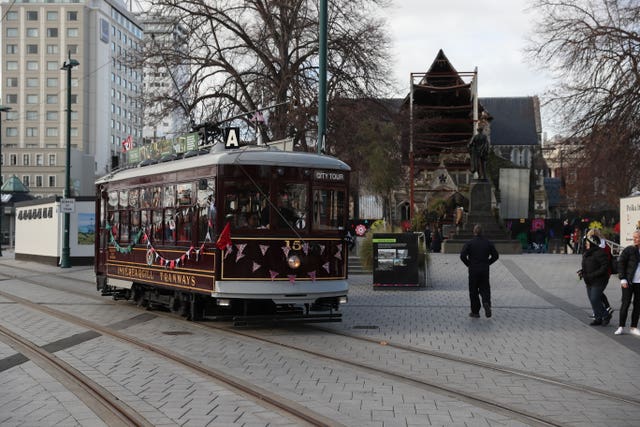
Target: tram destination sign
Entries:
(333, 176)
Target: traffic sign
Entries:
(67, 205)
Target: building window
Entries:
(52, 99)
(74, 99)
(32, 49)
(12, 65)
(32, 65)
(39, 160)
(32, 15)
(73, 131)
(52, 159)
(52, 16)
(12, 32)
(25, 180)
(32, 32)
(11, 131)
(52, 49)
(52, 32)
(52, 115)
(32, 99)
(52, 66)
(26, 159)
(72, 32)
(72, 49)
(32, 115)
(72, 16)
(13, 159)
(32, 132)
(52, 180)
(38, 180)
(74, 116)
(52, 82)
(12, 98)
(12, 49)
(12, 82)
(52, 131)
(12, 15)
(33, 82)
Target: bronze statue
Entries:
(479, 151)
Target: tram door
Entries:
(102, 239)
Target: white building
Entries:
(37, 37)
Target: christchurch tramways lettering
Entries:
(163, 276)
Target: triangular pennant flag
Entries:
(326, 267)
(321, 249)
(292, 278)
(273, 274)
(240, 253)
(305, 248)
(224, 240)
(286, 250)
(263, 249)
(255, 267)
(312, 274)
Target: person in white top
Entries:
(629, 274)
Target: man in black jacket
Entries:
(478, 254)
(629, 274)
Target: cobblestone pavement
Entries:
(540, 324)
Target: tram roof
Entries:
(247, 155)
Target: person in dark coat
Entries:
(595, 272)
(629, 274)
(478, 254)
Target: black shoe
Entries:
(474, 315)
(606, 319)
(592, 316)
(596, 322)
(487, 312)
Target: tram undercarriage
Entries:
(242, 312)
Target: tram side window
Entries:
(184, 218)
(156, 227)
(329, 209)
(206, 205)
(244, 203)
(133, 198)
(169, 199)
(169, 226)
(124, 226)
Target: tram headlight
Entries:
(294, 261)
(343, 299)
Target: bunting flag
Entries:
(305, 248)
(312, 274)
(263, 249)
(292, 278)
(286, 250)
(240, 253)
(321, 249)
(255, 267)
(127, 144)
(273, 274)
(339, 253)
(326, 267)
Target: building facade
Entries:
(36, 39)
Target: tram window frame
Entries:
(206, 209)
(293, 207)
(335, 217)
(244, 204)
(185, 194)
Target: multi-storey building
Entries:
(37, 37)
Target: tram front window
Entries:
(329, 209)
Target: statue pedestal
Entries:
(480, 213)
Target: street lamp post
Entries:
(65, 260)
(3, 109)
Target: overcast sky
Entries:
(488, 34)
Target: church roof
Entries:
(515, 120)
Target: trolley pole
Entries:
(65, 260)
(3, 109)
(322, 77)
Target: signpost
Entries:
(396, 261)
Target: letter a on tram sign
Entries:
(232, 138)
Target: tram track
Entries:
(266, 398)
(105, 405)
(520, 414)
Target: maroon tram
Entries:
(228, 232)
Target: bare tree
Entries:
(246, 55)
(592, 48)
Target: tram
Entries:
(249, 231)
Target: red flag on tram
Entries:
(224, 241)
